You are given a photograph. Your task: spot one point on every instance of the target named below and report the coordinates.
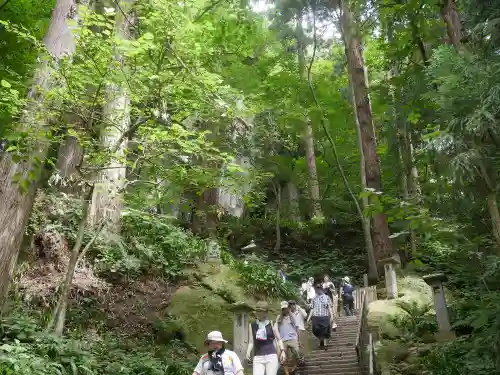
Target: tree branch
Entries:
(4, 4)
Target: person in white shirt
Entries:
(311, 291)
(299, 315)
(303, 288)
(331, 292)
(218, 360)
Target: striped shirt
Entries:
(321, 305)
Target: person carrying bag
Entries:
(265, 342)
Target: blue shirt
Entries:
(348, 289)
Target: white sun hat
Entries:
(215, 336)
(284, 305)
(346, 279)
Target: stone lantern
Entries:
(391, 283)
(241, 320)
(213, 252)
(443, 319)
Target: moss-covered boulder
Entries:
(398, 351)
(411, 288)
(205, 304)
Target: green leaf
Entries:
(5, 84)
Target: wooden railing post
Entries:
(365, 349)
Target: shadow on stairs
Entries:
(340, 357)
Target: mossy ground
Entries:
(200, 310)
(410, 288)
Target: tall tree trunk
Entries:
(449, 14)
(495, 216)
(353, 49)
(205, 216)
(413, 177)
(293, 202)
(107, 200)
(365, 220)
(15, 205)
(308, 130)
(413, 185)
(277, 192)
(69, 158)
(59, 315)
(405, 156)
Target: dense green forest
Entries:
(135, 134)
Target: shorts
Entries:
(292, 346)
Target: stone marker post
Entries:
(241, 320)
(391, 282)
(436, 283)
(213, 251)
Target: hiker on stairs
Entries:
(311, 291)
(299, 315)
(347, 296)
(329, 287)
(322, 316)
(289, 332)
(218, 360)
(264, 341)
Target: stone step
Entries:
(338, 338)
(346, 363)
(340, 342)
(342, 331)
(333, 342)
(332, 352)
(334, 372)
(330, 355)
(332, 366)
(336, 334)
(342, 336)
(333, 358)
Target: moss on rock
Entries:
(410, 288)
(396, 356)
(205, 304)
(199, 312)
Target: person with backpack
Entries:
(265, 342)
(299, 315)
(329, 287)
(218, 360)
(347, 296)
(321, 315)
(289, 332)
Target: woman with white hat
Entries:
(265, 341)
(347, 297)
(218, 360)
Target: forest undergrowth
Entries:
(140, 138)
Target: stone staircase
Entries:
(340, 356)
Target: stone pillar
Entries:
(391, 282)
(213, 252)
(241, 320)
(436, 283)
